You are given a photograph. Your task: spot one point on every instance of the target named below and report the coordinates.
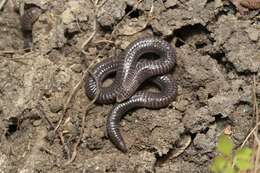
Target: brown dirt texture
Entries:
(217, 57)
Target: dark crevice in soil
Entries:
(28, 6)
(229, 7)
(210, 1)
(204, 131)
(175, 7)
(52, 55)
(105, 29)
(193, 135)
(162, 159)
(166, 157)
(170, 106)
(200, 45)
(179, 43)
(219, 14)
(219, 119)
(134, 14)
(210, 96)
(188, 31)
(70, 35)
(12, 126)
(220, 57)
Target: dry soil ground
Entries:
(218, 54)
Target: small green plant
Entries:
(230, 160)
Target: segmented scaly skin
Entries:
(131, 72)
(167, 94)
(101, 71)
(168, 90)
(27, 19)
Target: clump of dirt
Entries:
(217, 56)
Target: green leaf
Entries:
(229, 169)
(244, 153)
(243, 165)
(225, 145)
(218, 164)
(243, 158)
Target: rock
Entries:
(241, 119)
(239, 50)
(111, 12)
(67, 17)
(101, 162)
(99, 122)
(92, 50)
(133, 26)
(74, 14)
(167, 130)
(53, 38)
(223, 104)
(40, 3)
(94, 143)
(173, 19)
(5, 163)
(144, 6)
(202, 94)
(243, 59)
(181, 105)
(51, 135)
(253, 33)
(76, 68)
(71, 129)
(197, 120)
(218, 4)
(201, 71)
(144, 161)
(205, 142)
(62, 78)
(176, 18)
(37, 122)
(246, 94)
(223, 31)
(180, 166)
(55, 105)
(170, 3)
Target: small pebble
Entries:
(94, 143)
(70, 128)
(55, 117)
(92, 50)
(181, 106)
(76, 68)
(37, 123)
(62, 78)
(55, 105)
(99, 122)
(67, 17)
(170, 3)
(51, 136)
(228, 130)
(253, 33)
